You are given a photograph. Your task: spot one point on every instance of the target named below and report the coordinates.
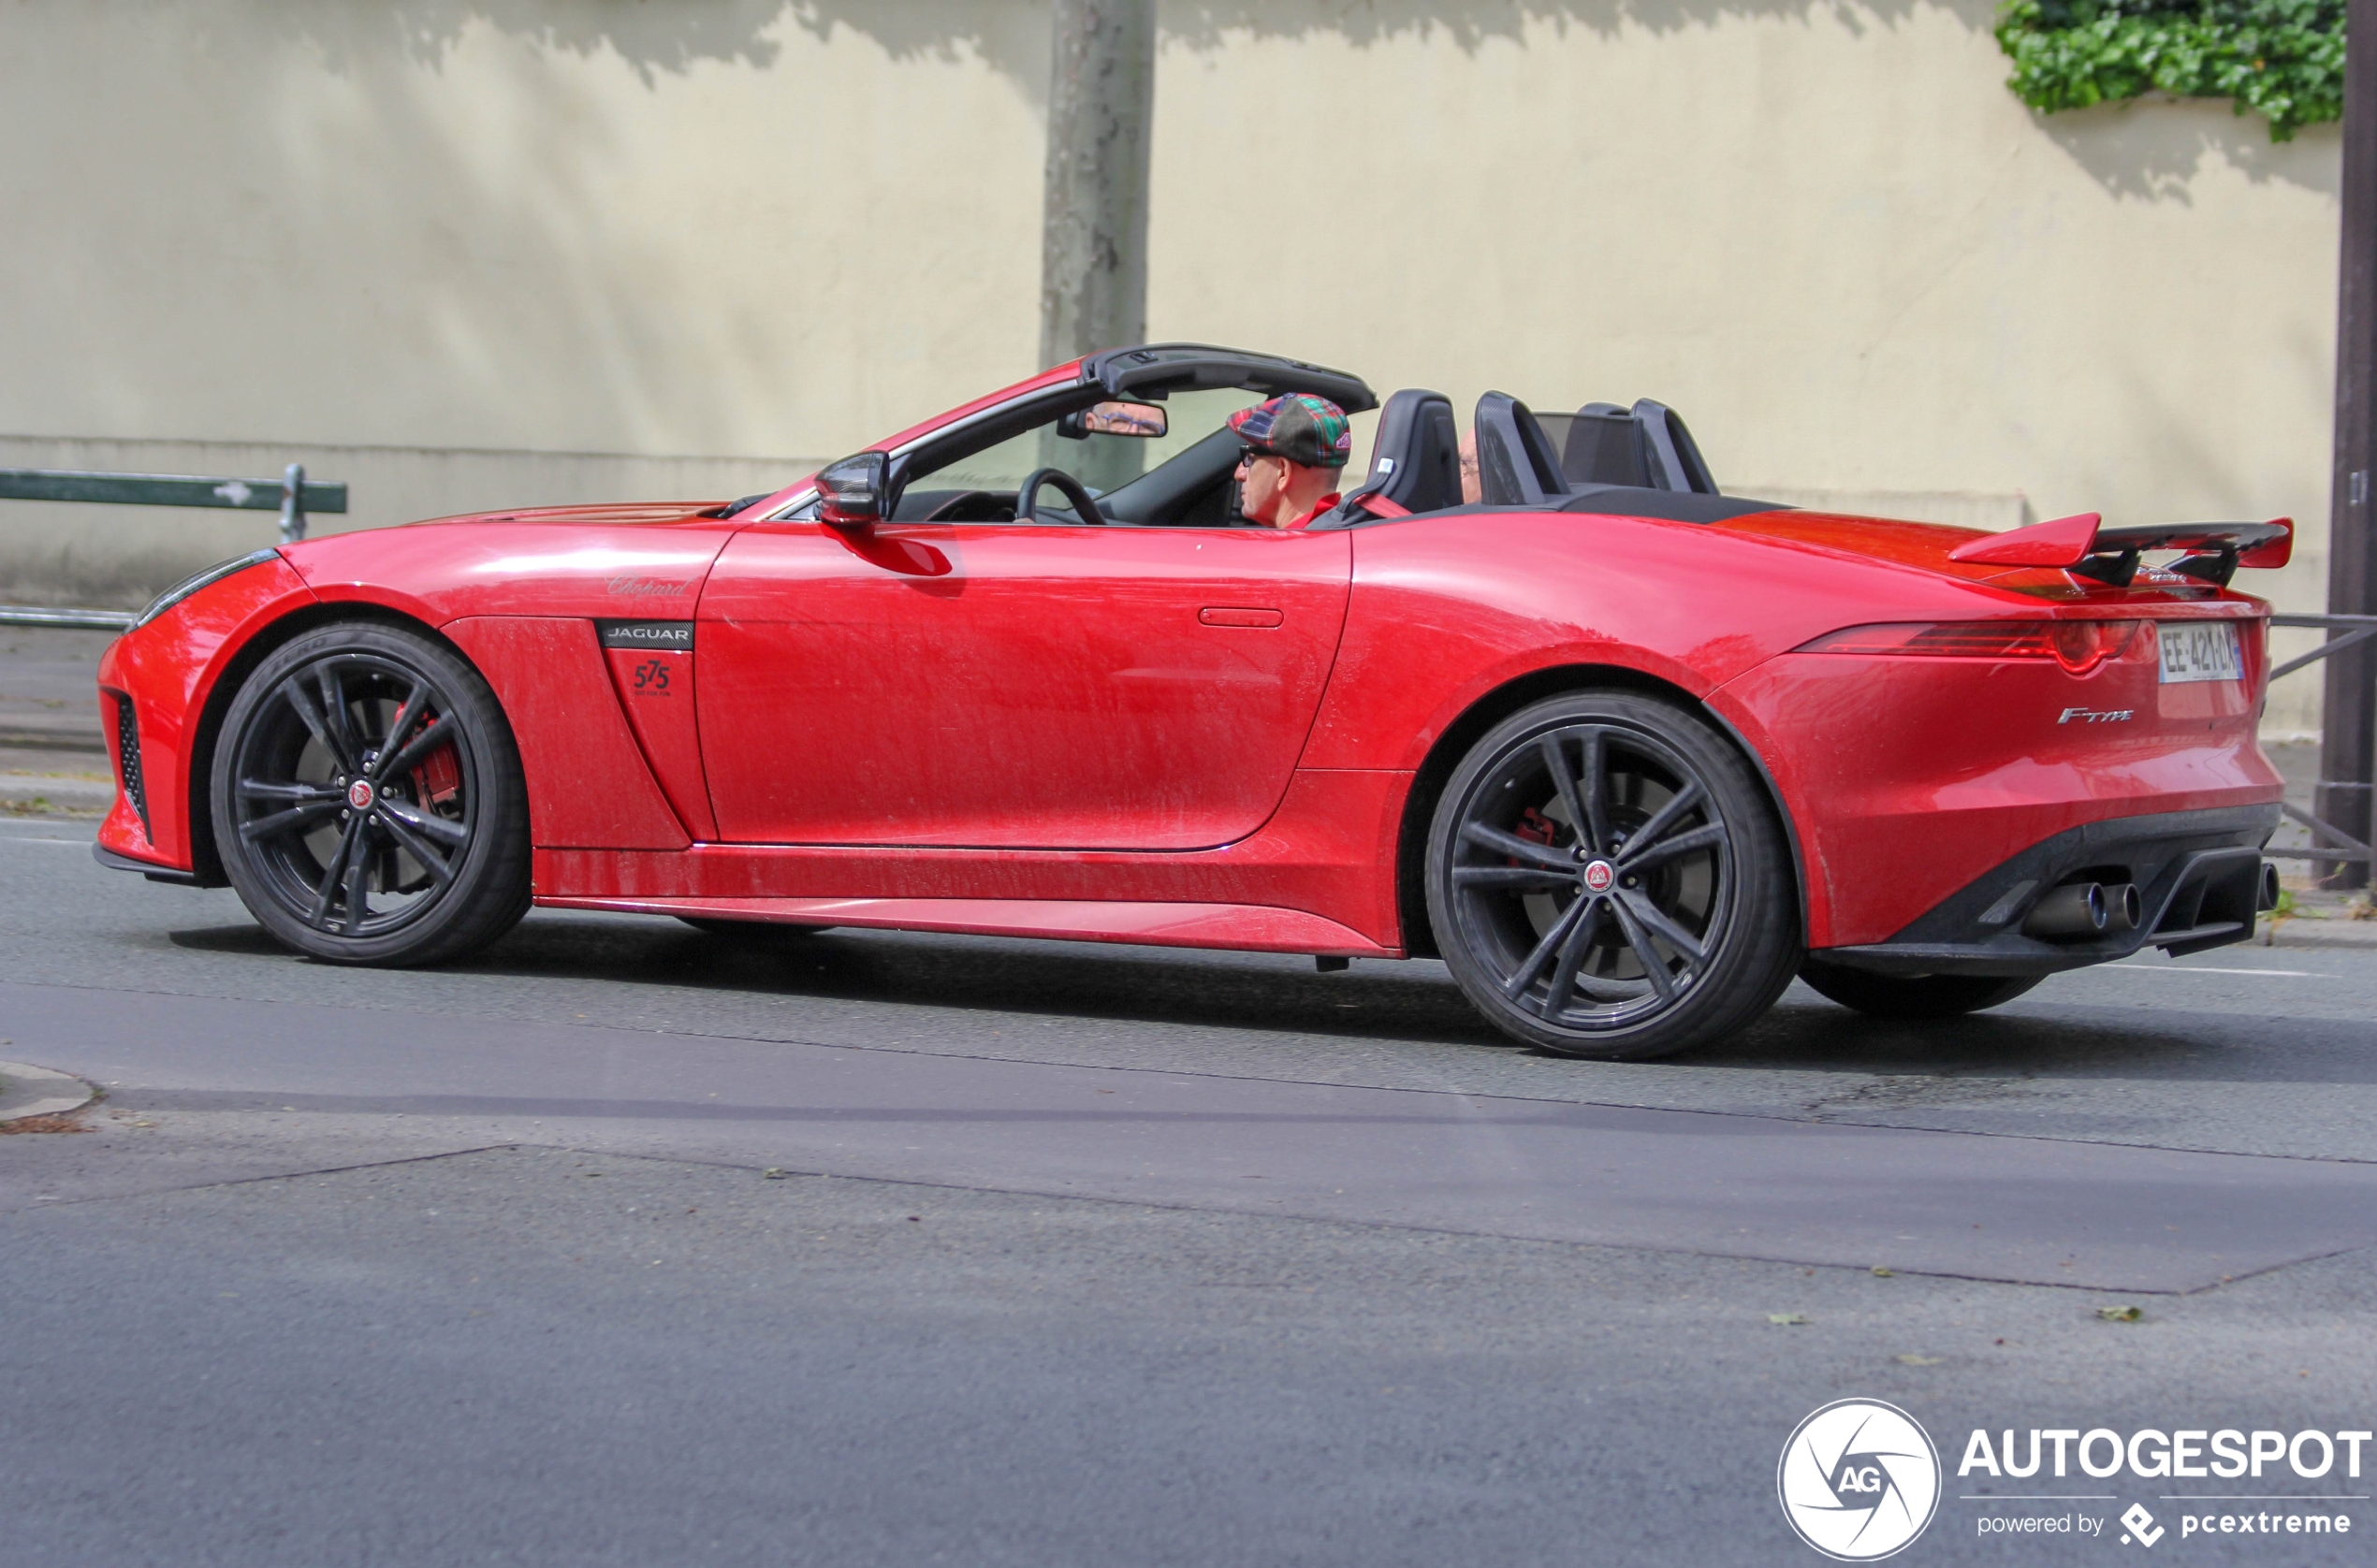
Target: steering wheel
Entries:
(1067, 486)
(971, 506)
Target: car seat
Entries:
(1415, 462)
(1517, 465)
(1644, 447)
(1675, 457)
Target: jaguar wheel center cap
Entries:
(1598, 876)
(359, 796)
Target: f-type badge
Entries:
(2097, 716)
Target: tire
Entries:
(750, 930)
(1912, 996)
(1673, 922)
(364, 760)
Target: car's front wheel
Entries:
(367, 799)
(1606, 878)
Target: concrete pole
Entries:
(1093, 255)
(2348, 727)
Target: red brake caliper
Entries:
(439, 777)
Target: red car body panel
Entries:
(1319, 856)
(656, 687)
(169, 668)
(1904, 789)
(588, 782)
(1204, 736)
(1003, 687)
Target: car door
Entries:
(1051, 687)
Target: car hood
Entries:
(611, 513)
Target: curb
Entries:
(40, 1092)
(2324, 934)
(57, 798)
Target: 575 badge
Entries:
(650, 676)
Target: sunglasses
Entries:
(1250, 457)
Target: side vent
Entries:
(127, 751)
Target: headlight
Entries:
(189, 586)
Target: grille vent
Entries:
(127, 748)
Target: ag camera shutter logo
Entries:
(1859, 1480)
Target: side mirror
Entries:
(1113, 419)
(849, 493)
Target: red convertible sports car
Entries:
(1627, 753)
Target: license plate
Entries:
(2199, 650)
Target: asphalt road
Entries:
(627, 1244)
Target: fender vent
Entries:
(127, 752)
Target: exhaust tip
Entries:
(2123, 907)
(2074, 910)
(2266, 898)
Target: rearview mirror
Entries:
(850, 494)
(1113, 419)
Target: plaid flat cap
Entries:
(1298, 426)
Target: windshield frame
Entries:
(1150, 371)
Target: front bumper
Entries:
(2198, 876)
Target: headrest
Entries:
(1675, 457)
(1516, 463)
(1415, 462)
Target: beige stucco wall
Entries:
(438, 247)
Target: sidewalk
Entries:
(54, 758)
(2319, 919)
(29, 1092)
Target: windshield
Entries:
(1101, 462)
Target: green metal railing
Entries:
(2346, 851)
(292, 495)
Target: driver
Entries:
(1296, 446)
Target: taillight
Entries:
(2078, 646)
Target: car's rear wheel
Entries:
(1606, 878)
(1912, 997)
(367, 799)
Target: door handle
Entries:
(1223, 614)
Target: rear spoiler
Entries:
(2078, 545)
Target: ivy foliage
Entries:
(2283, 59)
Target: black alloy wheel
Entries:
(1606, 878)
(1912, 997)
(367, 801)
